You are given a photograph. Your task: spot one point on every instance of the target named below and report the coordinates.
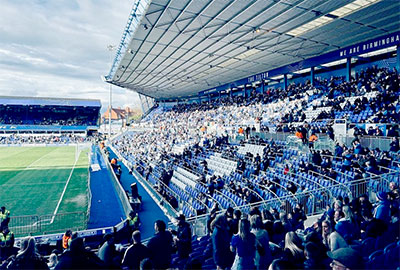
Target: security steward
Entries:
(7, 240)
(4, 217)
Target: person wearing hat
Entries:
(382, 209)
(345, 259)
(183, 237)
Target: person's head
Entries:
(294, 243)
(244, 228)
(53, 260)
(348, 213)
(392, 186)
(326, 227)
(381, 196)
(6, 230)
(337, 205)
(68, 233)
(345, 258)
(181, 219)
(77, 246)
(146, 264)
(229, 212)
(29, 250)
(256, 222)
(219, 222)
(311, 251)
(136, 237)
(338, 215)
(362, 200)
(109, 237)
(132, 214)
(237, 214)
(281, 264)
(159, 226)
(3, 209)
(366, 214)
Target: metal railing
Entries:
(46, 224)
(372, 142)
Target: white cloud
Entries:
(59, 48)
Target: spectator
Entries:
(146, 264)
(313, 260)
(77, 257)
(326, 232)
(183, 237)
(263, 255)
(293, 249)
(337, 238)
(107, 252)
(346, 258)
(28, 258)
(162, 240)
(244, 245)
(53, 260)
(382, 209)
(135, 253)
(223, 257)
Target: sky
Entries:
(58, 48)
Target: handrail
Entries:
(189, 194)
(207, 195)
(153, 190)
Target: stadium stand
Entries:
(48, 115)
(288, 175)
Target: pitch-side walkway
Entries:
(150, 211)
(105, 209)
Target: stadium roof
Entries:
(41, 101)
(173, 48)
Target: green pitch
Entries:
(44, 183)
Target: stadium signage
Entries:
(356, 49)
(257, 77)
(378, 43)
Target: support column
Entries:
(285, 81)
(262, 86)
(312, 76)
(348, 69)
(398, 59)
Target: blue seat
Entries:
(392, 256)
(376, 260)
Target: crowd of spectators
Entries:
(347, 234)
(44, 139)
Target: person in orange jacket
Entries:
(313, 138)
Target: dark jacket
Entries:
(77, 257)
(134, 255)
(28, 263)
(160, 248)
(184, 242)
(222, 255)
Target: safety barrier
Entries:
(158, 198)
(45, 224)
(372, 142)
